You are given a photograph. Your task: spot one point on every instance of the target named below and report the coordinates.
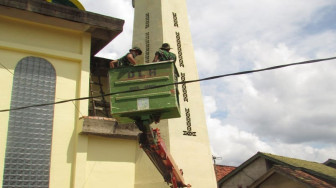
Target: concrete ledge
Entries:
(108, 127)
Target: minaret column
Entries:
(166, 21)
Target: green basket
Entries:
(161, 102)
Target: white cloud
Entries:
(322, 44)
(282, 102)
(121, 9)
(210, 105)
(234, 145)
(207, 60)
(243, 19)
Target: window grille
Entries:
(27, 160)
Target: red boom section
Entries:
(163, 161)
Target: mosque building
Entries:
(47, 51)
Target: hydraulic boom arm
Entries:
(154, 146)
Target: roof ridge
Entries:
(330, 161)
(267, 154)
(311, 167)
(225, 165)
(330, 174)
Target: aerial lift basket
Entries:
(135, 97)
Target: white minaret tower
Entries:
(166, 21)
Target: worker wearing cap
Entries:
(163, 54)
(126, 60)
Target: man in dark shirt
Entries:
(126, 60)
(163, 54)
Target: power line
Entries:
(6, 68)
(76, 107)
(176, 83)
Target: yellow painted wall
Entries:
(104, 162)
(110, 162)
(33, 34)
(69, 52)
(76, 160)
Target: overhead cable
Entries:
(6, 68)
(176, 83)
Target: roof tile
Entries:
(304, 177)
(222, 170)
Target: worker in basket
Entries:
(126, 60)
(163, 54)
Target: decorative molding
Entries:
(189, 131)
(179, 49)
(175, 19)
(147, 48)
(184, 88)
(147, 21)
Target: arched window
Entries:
(28, 150)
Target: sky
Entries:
(288, 112)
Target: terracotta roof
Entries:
(222, 170)
(304, 177)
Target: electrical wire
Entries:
(76, 107)
(177, 83)
(6, 68)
